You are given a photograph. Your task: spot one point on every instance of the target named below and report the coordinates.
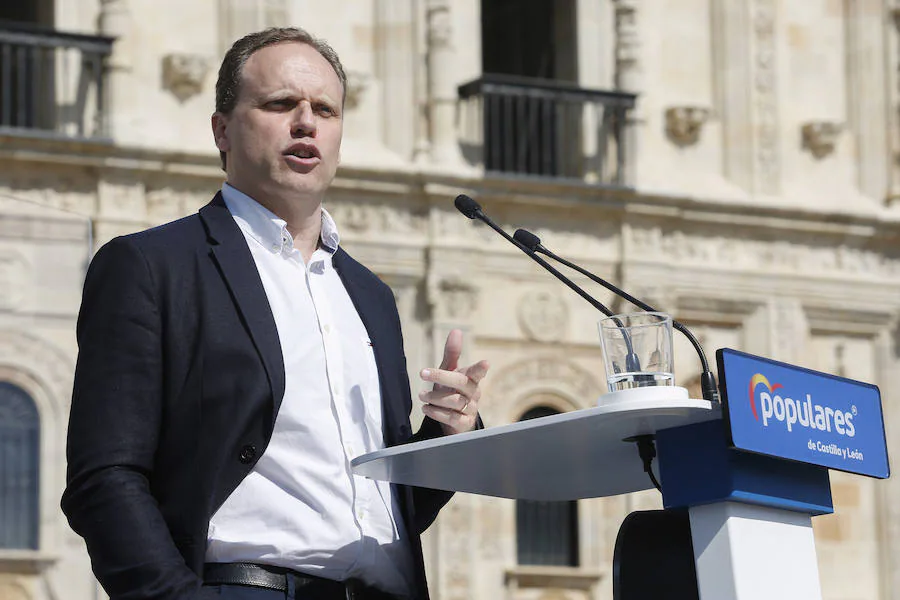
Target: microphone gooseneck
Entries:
(708, 386)
(471, 209)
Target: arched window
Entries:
(19, 468)
(546, 532)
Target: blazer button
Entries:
(248, 453)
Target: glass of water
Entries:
(637, 349)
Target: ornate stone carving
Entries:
(627, 38)
(41, 359)
(452, 298)
(543, 316)
(370, 218)
(183, 74)
(684, 123)
(546, 372)
(820, 137)
(765, 101)
(781, 256)
(357, 83)
(65, 189)
(439, 24)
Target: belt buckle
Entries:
(353, 588)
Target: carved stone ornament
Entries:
(820, 137)
(357, 83)
(439, 24)
(543, 316)
(452, 297)
(684, 123)
(183, 74)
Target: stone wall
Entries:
(762, 152)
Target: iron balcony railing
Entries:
(52, 83)
(543, 128)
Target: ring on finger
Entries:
(463, 411)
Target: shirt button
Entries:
(326, 328)
(247, 454)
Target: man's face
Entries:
(283, 138)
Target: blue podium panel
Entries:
(789, 412)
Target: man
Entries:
(231, 365)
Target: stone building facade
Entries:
(734, 162)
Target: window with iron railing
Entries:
(544, 128)
(546, 532)
(52, 83)
(19, 468)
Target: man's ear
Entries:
(219, 124)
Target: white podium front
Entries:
(579, 454)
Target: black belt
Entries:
(279, 578)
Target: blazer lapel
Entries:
(229, 250)
(378, 325)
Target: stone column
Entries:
(441, 84)
(732, 79)
(867, 93)
(778, 329)
(628, 79)
(887, 352)
(764, 98)
(395, 67)
(892, 76)
(115, 21)
(237, 18)
(744, 54)
(452, 301)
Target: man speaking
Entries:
(231, 365)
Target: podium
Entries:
(750, 496)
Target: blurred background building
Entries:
(734, 162)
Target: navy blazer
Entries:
(178, 382)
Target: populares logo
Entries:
(806, 413)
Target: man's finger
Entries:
(451, 420)
(477, 371)
(452, 350)
(453, 401)
(449, 379)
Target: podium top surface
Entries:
(578, 454)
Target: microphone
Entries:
(532, 244)
(472, 210)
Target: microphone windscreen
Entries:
(467, 206)
(527, 239)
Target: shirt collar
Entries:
(267, 228)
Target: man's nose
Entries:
(304, 123)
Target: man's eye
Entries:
(324, 109)
(283, 104)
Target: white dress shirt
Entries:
(301, 507)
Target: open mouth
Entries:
(303, 152)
